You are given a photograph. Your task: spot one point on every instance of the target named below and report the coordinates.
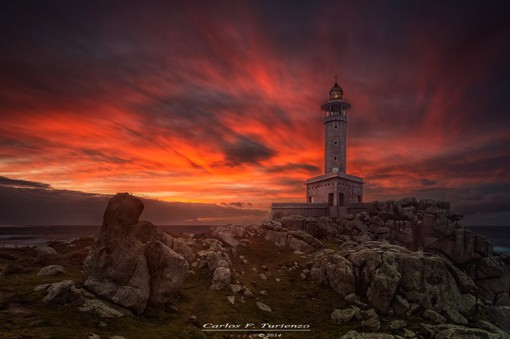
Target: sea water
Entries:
(22, 236)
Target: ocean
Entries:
(20, 236)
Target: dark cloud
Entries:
(427, 182)
(237, 204)
(32, 203)
(100, 156)
(244, 150)
(481, 200)
(6, 182)
(292, 167)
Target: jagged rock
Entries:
(117, 267)
(397, 324)
(277, 238)
(46, 254)
(64, 292)
(100, 309)
(167, 271)
(401, 306)
(341, 316)
(263, 307)
(221, 278)
(384, 284)
(224, 233)
(235, 288)
(492, 277)
(378, 271)
(455, 317)
(372, 324)
(338, 272)
(486, 330)
(434, 316)
(52, 270)
(500, 315)
(213, 260)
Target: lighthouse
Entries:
(335, 187)
(334, 193)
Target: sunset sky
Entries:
(213, 107)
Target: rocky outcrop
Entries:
(134, 263)
(65, 292)
(426, 225)
(392, 278)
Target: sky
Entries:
(210, 110)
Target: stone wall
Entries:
(279, 210)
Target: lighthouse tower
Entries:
(335, 187)
(335, 129)
(334, 193)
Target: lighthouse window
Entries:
(336, 126)
(336, 142)
(335, 158)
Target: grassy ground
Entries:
(293, 300)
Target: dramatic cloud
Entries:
(208, 102)
(41, 205)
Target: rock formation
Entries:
(398, 263)
(134, 263)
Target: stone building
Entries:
(334, 192)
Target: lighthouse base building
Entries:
(334, 193)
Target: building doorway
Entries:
(341, 199)
(330, 199)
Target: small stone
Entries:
(372, 324)
(397, 324)
(341, 316)
(434, 316)
(263, 276)
(235, 288)
(278, 280)
(303, 276)
(263, 307)
(171, 309)
(52, 270)
(456, 317)
(231, 299)
(408, 334)
(263, 292)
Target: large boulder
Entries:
(167, 271)
(131, 262)
(392, 278)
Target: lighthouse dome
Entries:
(336, 92)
